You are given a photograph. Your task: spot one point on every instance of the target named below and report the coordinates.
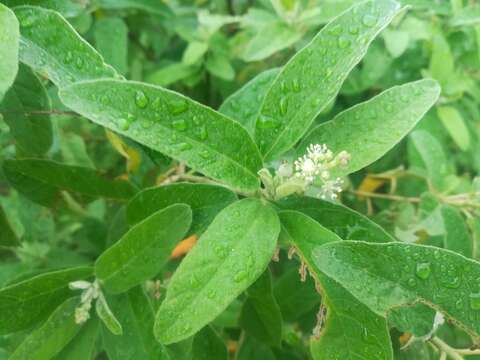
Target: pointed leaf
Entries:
(346, 223)
(83, 345)
(397, 274)
(111, 40)
(136, 315)
(9, 44)
(455, 124)
(7, 235)
(207, 345)
(68, 8)
(49, 339)
(42, 181)
(50, 45)
(107, 316)
(172, 124)
(142, 252)
(244, 104)
(205, 200)
(228, 258)
(367, 131)
(351, 330)
(25, 304)
(313, 77)
(32, 133)
(457, 236)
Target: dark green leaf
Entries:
(111, 39)
(172, 124)
(49, 339)
(68, 8)
(457, 236)
(367, 131)
(43, 180)
(83, 345)
(396, 274)
(205, 200)
(228, 258)
(142, 252)
(32, 132)
(7, 235)
(261, 316)
(107, 316)
(9, 43)
(152, 6)
(25, 304)
(207, 345)
(313, 77)
(51, 46)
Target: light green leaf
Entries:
(111, 39)
(207, 345)
(9, 44)
(313, 77)
(68, 8)
(396, 42)
(367, 131)
(172, 124)
(219, 65)
(457, 236)
(205, 200)
(442, 66)
(107, 316)
(8, 237)
(396, 274)
(469, 15)
(25, 304)
(245, 104)
(83, 345)
(350, 329)
(43, 180)
(51, 46)
(261, 316)
(455, 125)
(136, 315)
(172, 73)
(228, 258)
(346, 223)
(32, 133)
(194, 52)
(142, 252)
(152, 6)
(49, 339)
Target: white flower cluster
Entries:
(316, 164)
(90, 292)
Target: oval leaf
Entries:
(367, 131)
(228, 258)
(107, 317)
(51, 46)
(142, 252)
(9, 44)
(27, 303)
(172, 124)
(313, 77)
(396, 274)
(205, 200)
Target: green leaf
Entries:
(313, 77)
(51, 46)
(367, 131)
(194, 52)
(432, 157)
(442, 66)
(245, 104)
(32, 133)
(457, 236)
(250, 349)
(111, 39)
(455, 125)
(396, 274)
(9, 44)
(207, 345)
(83, 345)
(417, 319)
(346, 223)
(205, 200)
(219, 65)
(43, 180)
(350, 330)
(172, 124)
(49, 339)
(8, 237)
(68, 8)
(228, 258)
(152, 6)
(25, 304)
(136, 315)
(107, 316)
(469, 15)
(142, 252)
(261, 316)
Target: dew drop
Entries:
(157, 103)
(283, 105)
(68, 57)
(412, 282)
(459, 304)
(475, 301)
(178, 106)
(283, 86)
(353, 29)
(336, 30)
(123, 124)
(204, 154)
(211, 294)
(423, 270)
(240, 276)
(141, 100)
(184, 146)
(197, 120)
(79, 63)
(389, 108)
(180, 125)
(146, 124)
(266, 122)
(203, 133)
(296, 85)
(369, 20)
(344, 42)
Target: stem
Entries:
(384, 196)
(444, 347)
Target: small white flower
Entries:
(306, 168)
(90, 292)
(331, 188)
(82, 313)
(343, 158)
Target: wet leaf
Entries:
(9, 43)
